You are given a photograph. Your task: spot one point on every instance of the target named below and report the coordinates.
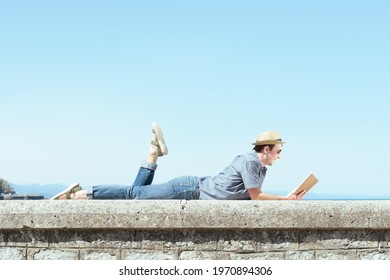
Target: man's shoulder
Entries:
(248, 157)
(251, 156)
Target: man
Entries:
(242, 179)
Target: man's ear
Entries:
(266, 149)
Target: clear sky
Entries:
(81, 82)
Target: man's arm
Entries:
(257, 194)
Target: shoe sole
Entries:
(160, 138)
(71, 189)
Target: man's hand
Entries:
(296, 196)
(256, 194)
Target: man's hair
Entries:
(260, 148)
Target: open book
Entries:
(306, 185)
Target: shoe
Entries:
(75, 187)
(159, 142)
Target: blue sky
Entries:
(81, 82)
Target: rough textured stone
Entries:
(336, 255)
(163, 230)
(100, 254)
(316, 239)
(373, 255)
(157, 240)
(148, 255)
(195, 214)
(258, 256)
(195, 240)
(93, 239)
(278, 240)
(300, 255)
(28, 238)
(238, 241)
(48, 254)
(204, 255)
(384, 239)
(3, 238)
(12, 254)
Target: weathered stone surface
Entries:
(158, 240)
(195, 240)
(258, 256)
(237, 241)
(97, 254)
(23, 238)
(278, 240)
(52, 254)
(373, 254)
(160, 214)
(3, 237)
(93, 239)
(384, 239)
(300, 255)
(148, 255)
(316, 239)
(165, 230)
(336, 255)
(12, 254)
(204, 255)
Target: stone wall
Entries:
(192, 230)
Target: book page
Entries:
(306, 185)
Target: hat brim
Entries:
(268, 142)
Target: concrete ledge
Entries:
(175, 214)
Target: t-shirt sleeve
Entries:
(250, 174)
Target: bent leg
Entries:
(145, 174)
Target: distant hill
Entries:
(46, 190)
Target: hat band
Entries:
(268, 142)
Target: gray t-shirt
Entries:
(245, 172)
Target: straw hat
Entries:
(268, 138)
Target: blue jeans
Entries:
(186, 187)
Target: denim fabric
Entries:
(186, 187)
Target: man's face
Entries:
(273, 154)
